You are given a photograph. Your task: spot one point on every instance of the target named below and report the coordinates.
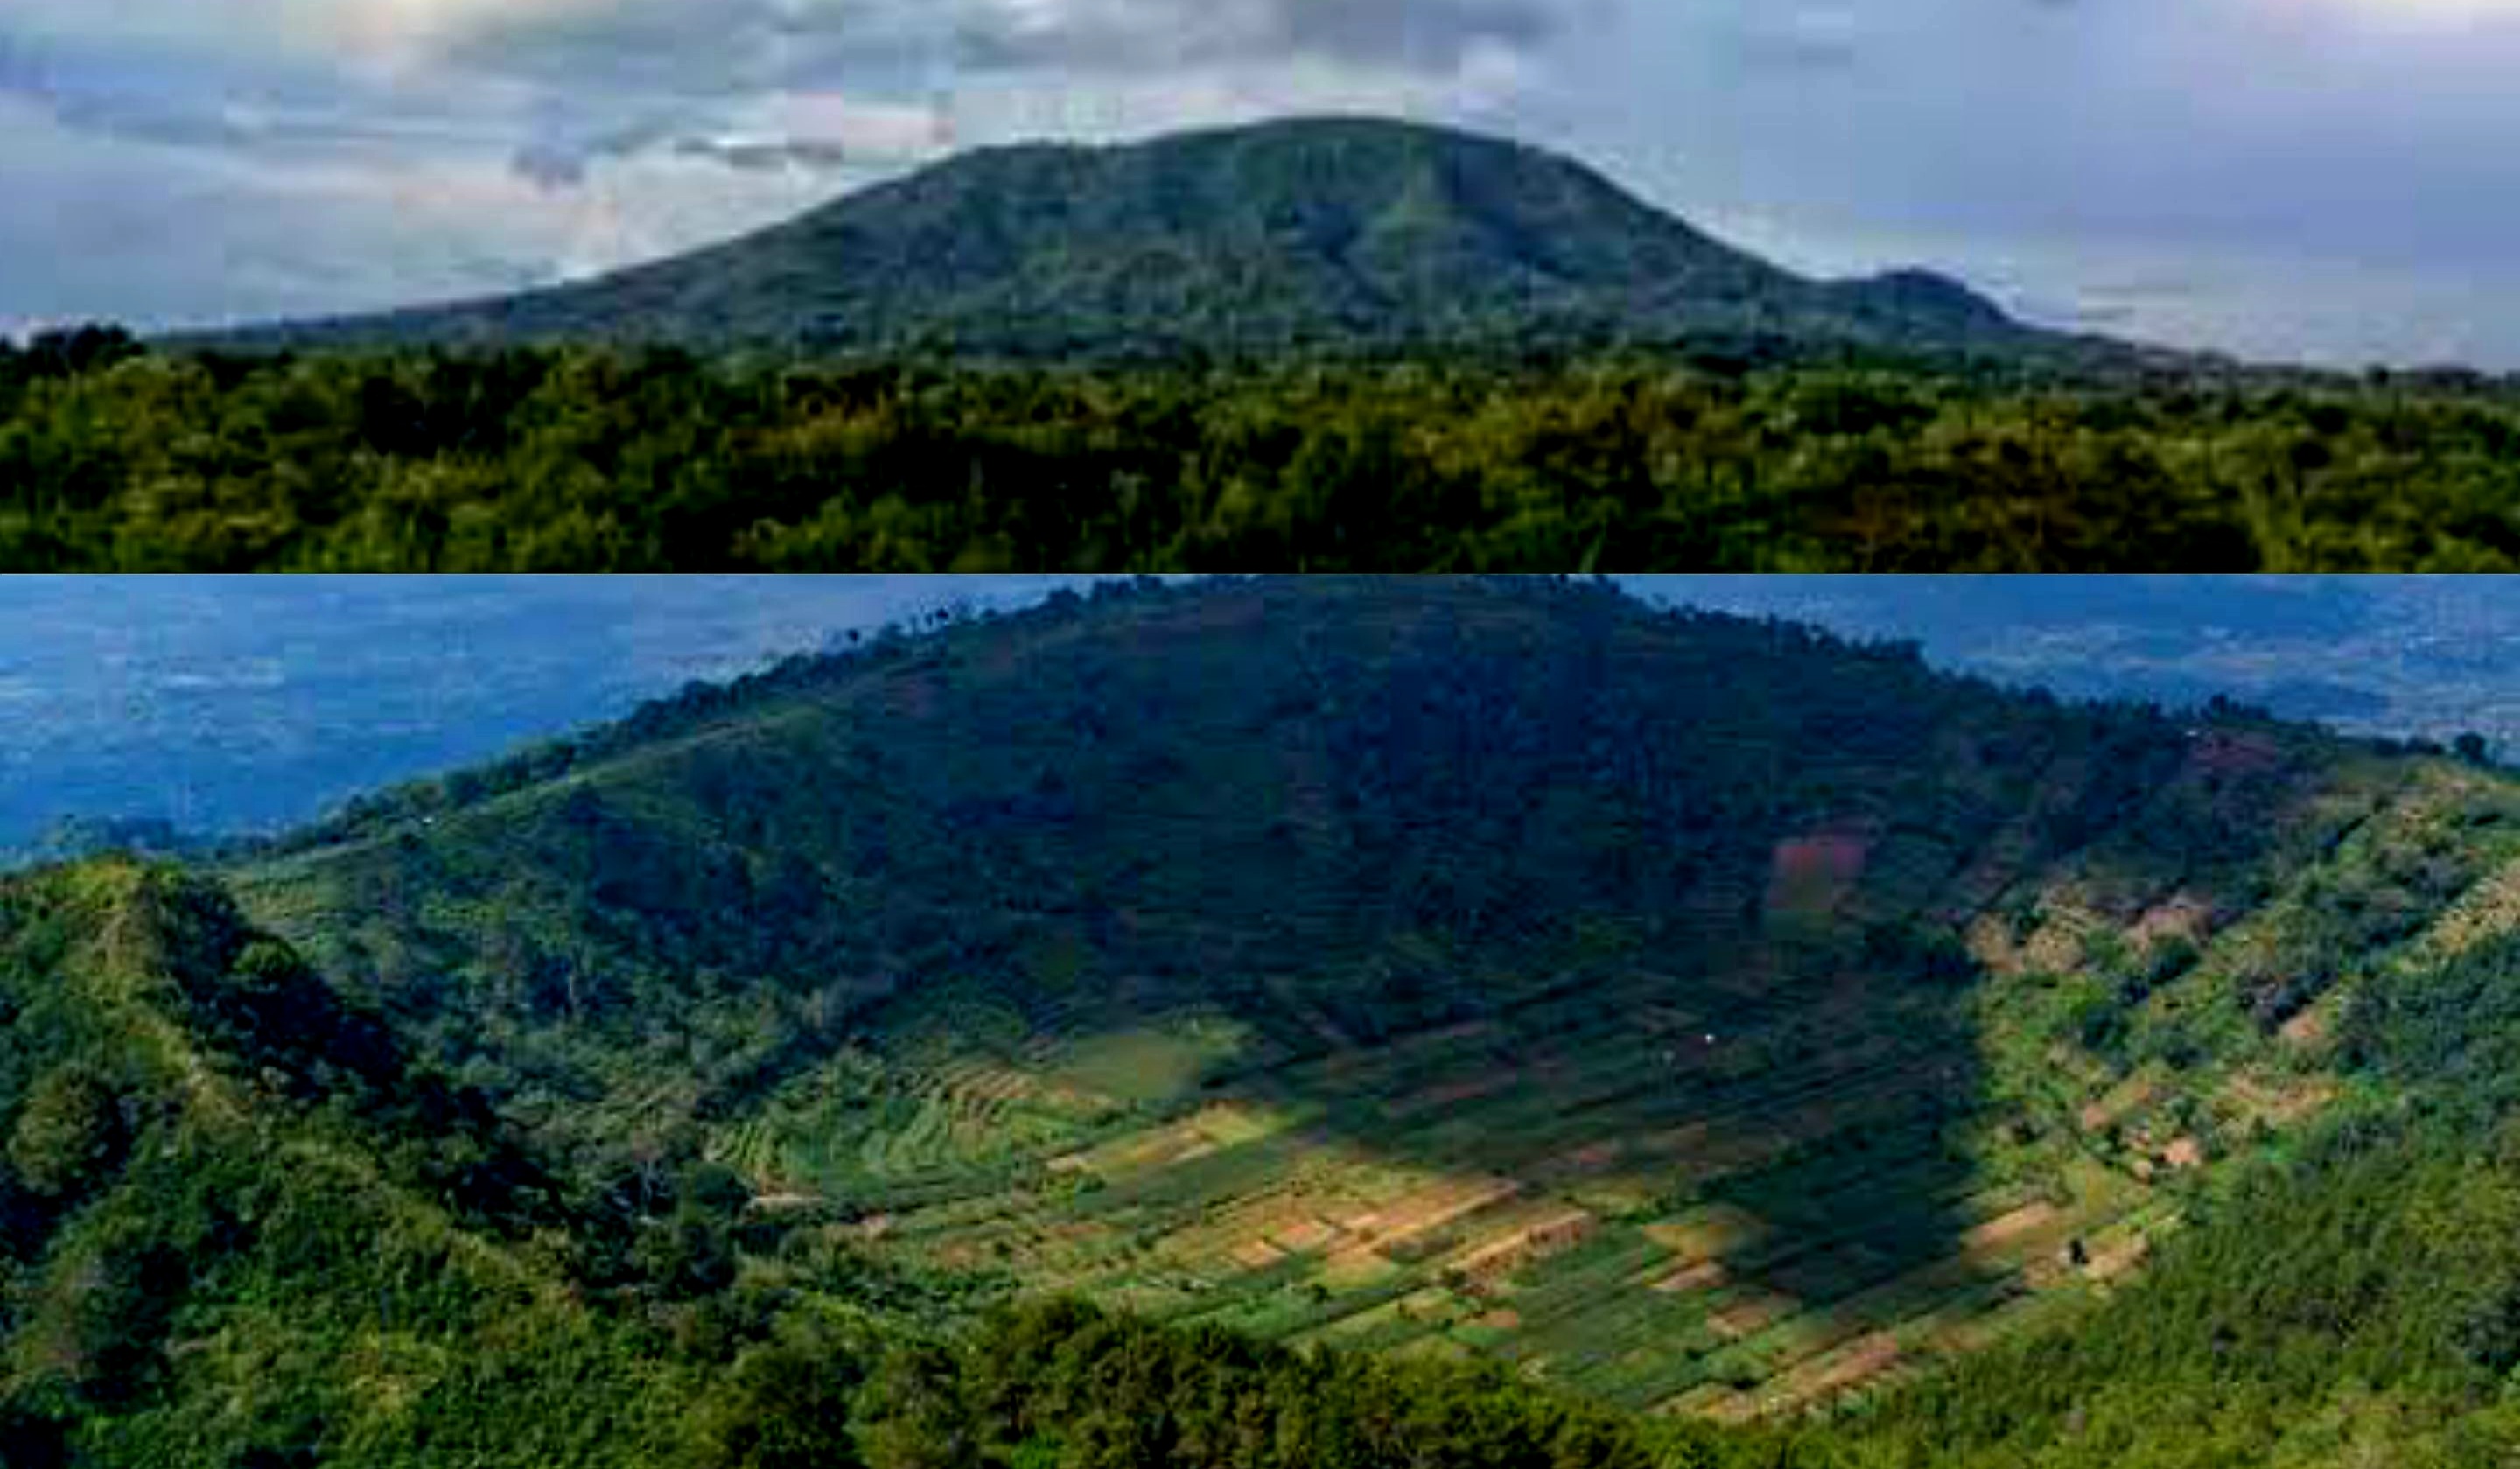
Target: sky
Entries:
(2322, 180)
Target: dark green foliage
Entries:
(586, 460)
(70, 1134)
(2453, 1029)
(786, 1403)
(1309, 235)
(2357, 1302)
(1064, 1386)
(1504, 788)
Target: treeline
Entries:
(114, 458)
(1061, 1385)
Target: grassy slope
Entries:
(1096, 948)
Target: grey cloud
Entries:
(680, 48)
(768, 157)
(558, 160)
(88, 98)
(1415, 35)
(560, 154)
(706, 52)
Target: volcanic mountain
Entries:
(1322, 233)
(1705, 1012)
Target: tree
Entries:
(785, 1406)
(70, 1135)
(914, 1411)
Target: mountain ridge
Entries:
(1332, 230)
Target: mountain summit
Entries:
(1336, 232)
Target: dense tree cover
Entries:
(1309, 235)
(1061, 1385)
(570, 460)
(730, 887)
(2359, 1304)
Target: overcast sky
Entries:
(2328, 179)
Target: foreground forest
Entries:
(1752, 455)
(1295, 1023)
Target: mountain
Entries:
(1698, 1013)
(1328, 232)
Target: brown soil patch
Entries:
(2184, 1152)
(2125, 1098)
(2276, 1102)
(1812, 875)
(2307, 1029)
(1305, 1234)
(1866, 1357)
(1721, 1229)
(1705, 1274)
(2008, 1225)
(1751, 1316)
(1256, 1254)
(2181, 915)
(2118, 1258)
(1430, 1208)
(1544, 1236)
(1502, 1319)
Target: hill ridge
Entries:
(1338, 231)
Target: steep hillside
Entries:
(1701, 1013)
(1304, 233)
(235, 1228)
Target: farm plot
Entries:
(1681, 1194)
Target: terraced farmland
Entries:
(1692, 1013)
(1657, 1190)
(1733, 1194)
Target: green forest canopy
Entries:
(1747, 455)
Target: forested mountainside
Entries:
(1302, 234)
(1754, 456)
(1295, 1023)
(240, 1228)
(1689, 1013)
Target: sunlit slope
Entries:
(1702, 1013)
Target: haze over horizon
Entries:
(2304, 180)
(227, 705)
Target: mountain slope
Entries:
(1699, 1013)
(1311, 232)
(236, 1228)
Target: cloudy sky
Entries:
(2328, 179)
